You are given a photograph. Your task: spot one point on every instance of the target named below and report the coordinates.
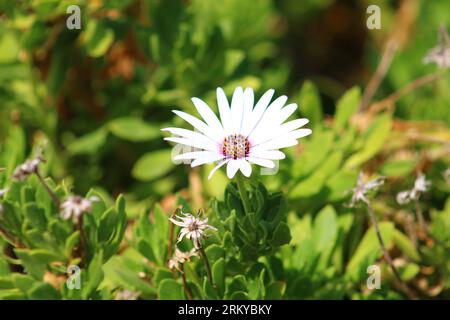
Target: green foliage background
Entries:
(99, 96)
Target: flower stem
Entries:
(170, 244)
(419, 216)
(243, 192)
(83, 247)
(48, 189)
(388, 258)
(207, 266)
(185, 285)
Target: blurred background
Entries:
(98, 97)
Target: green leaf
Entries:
(409, 272)
(133, 129)
(214, 253)
(325, 229)
(9, 47)
(169, 289)
(43, 291)
(218, 274)
(36, 216)
(309, 102)
(35, 261)
(71, 241)
(208, 290)
(98, 38)
(405, 244)
(281, 235)
(314, 183)
(275, 290)
(397, 168)
(153, 165)
(94, 276)
(375, 136)
(339, 184)
(239, 295)
(368, 251)
(346, 107)
(89, 143)
(161, 274)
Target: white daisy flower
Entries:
(421, 185)
(192, 228)
(245, 134)
(181, 257)
(361, 189)
(74, 206)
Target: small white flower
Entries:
(74, 206)
(27, 168)
(181, 257)
(245, 134)
(440, 55)
(361, 189)
(403, 197)
(420, 185)
(192, 228)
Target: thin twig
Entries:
(417, 83)
(48, 189)
(207, 266)
(388, 258)
(185, 285)
(380, 73)
(419, 215)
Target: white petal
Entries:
(272, 133)
(248, 109)
(286, 112)
(277, 143)
(268, 154)
(245, 167)
(207, 114)
(220, 164)
(207, 159)
(194, 143)
(237, 107)
(297, 134)
(213, 133)
(192, 155)
(232, 168)
(178, 223)
(189, 134)
(259, 110)
(183, 232)
(269, 115)
(261, 162)
(224, 110)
